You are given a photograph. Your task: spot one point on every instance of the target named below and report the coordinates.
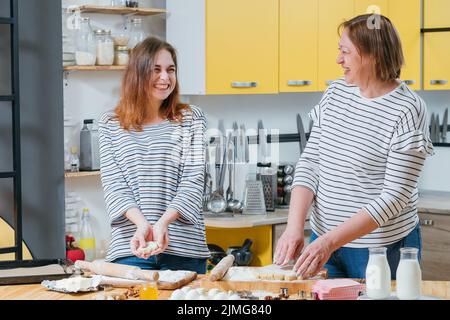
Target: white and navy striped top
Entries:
(158, 168)
(365, 153)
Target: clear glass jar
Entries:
(122, 56)
(137, 34)
(378, 274)
(132, 3)
(409, 275)
(118, 3)
(85, 54)
(105, 47)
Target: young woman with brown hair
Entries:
(152, 150)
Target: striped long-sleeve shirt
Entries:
(158, 168)
(365, 153)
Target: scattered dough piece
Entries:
(151, 246)
(278, 276)
(290, 277)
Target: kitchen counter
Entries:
(439, 289)
(437, 202)
(279, 216)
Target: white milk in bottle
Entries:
(409, 275)
(378, 274)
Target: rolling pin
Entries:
(221, 268)
(117, 270)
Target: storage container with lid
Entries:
(137, 33)
(85, 54)
(122, 56)
(105, 47)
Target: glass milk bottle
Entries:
(378, 274)
(409, 275)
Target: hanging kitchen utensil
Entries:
(218, 204)
(444, 126)
(301, 134)
(432, 128)
(267, 175)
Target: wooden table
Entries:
(439, 289)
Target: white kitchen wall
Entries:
(89, 94)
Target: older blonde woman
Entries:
(362, 162)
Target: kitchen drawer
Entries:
(435, 246)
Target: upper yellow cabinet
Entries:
(298, 45)
(331, 14)
(436, 45)
(405, 15)
(225, 47)
(271, 46)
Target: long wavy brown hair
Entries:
(131, 111)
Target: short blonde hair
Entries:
(375, 35)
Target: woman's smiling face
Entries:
(356, 66)
(164, 76)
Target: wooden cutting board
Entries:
(166, 285)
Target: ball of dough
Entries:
(191, 295)
(278, 276)
(290, 276)
(186, 289)
(177, 295)
(212, 292)
(221, 296)
(151, 246)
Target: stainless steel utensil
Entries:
(245, 139)
(444, 126)
(301, 134)
(432, 128)
(218, 204)
(229, 192)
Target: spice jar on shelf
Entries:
(85, 44)
(105, 47)
(122, 56)
(132, 3)
(137, 34)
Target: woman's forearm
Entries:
(301, 199)
(135, 215)
(356, 227)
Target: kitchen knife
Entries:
(236, 154)
(444, 126)
(301, 134)
(432, 128)
(262, 142)
(437, 131)
(246, 149)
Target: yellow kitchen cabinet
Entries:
(436, 45)
(298, 45)
(405, 15)
(331, 14)
(260, 235)
(225, 46)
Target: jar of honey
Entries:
(148, 291)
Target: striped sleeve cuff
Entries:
(117, 207)
(305, 176)
(383, 208)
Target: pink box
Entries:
(337, 289)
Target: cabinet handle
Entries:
(426, 222)
(410, 82)
(438, 82)
(251, 84)
(328, 82)
(298, 83)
